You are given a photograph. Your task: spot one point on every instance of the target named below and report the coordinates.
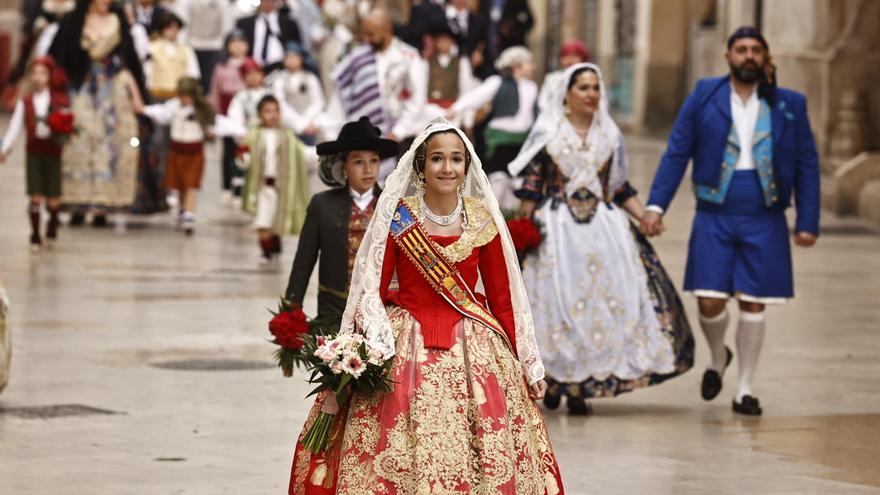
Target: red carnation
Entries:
(525, 233)
(242, 149)
(61, 122)
(288, 327)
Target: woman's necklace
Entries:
(442, 220)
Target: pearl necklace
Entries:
(442, 220)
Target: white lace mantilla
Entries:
(365, 312)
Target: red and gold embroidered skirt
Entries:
(458, 421)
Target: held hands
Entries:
(537, 390)
(477, 57)
(651, 224)
(804, 239)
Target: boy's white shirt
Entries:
(300, 121)
(239, 114)
(41, 100)
(486, 91)
(270, 138)
(184, 130)
(237, 111)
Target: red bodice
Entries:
(437, 316)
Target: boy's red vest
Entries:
(39, 146)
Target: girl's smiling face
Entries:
(445, 163)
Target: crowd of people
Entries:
(427, 134)
(113, 64)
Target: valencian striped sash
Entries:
(438, 270)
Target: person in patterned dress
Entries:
(461, 416)
(608, 318)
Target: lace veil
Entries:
(364, 311)
(604, 139)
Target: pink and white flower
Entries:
(354, 366)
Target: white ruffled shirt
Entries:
(361, 200)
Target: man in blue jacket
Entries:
(753, 155)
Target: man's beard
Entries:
(746, 72)
(378, 46)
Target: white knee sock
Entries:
(714, 328)
(749, 338)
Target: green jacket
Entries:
(291, 181)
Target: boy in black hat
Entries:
(337, 219)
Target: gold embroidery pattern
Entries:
(479, 230)
(458, 421)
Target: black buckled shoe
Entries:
(711, 385)
(77, 218)
(750, 406)
(578, 407)
(553, 397)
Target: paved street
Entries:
(103, 319)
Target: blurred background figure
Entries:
(39, 28)
(571, 53)
(226, 82)
(267, 32)
(299, 89)
(99, 167)
(513, 95)
(208, 23)
(509, 23)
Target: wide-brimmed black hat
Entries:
(360, 135)
(441, 26)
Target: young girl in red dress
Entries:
(461, 417)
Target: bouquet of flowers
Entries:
(61, 122)
(524, 231)
(289, 327)
(341, 363)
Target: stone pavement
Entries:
(92, 319)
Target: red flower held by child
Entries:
(61, 122)
(524, 233)
(288, 328)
